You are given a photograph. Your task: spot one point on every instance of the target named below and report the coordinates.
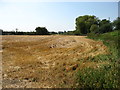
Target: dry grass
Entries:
(46, 61)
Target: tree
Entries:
(53, 32)
(103, 22)
(94, 28)
(84, 23)
(41, 31)
(105, 26)
(116, 23)
(60, 32)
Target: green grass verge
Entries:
(106, 76)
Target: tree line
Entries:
(38, 31)
(84, 25)
(91, 24)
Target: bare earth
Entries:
(46, 61)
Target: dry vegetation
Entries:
(47, 61)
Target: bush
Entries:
(93, 35)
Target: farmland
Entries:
(47, 61)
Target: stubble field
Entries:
(46, 61)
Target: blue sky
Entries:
(55, 16)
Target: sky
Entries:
(119, 9)
(55, 16)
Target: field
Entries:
(47, 61)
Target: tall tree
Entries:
(84, 23)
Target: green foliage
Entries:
(105, 28)
(93, 35)
(91, 24)
(61, 32)
(77, 32)
(41, 31)
(103, 22)
(70, 33)
(67, 33)
(106, 75)
(111, 40)
(52, 33)
(84, 23)
(94, 28)
(116, 23)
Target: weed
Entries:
(105, 76)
